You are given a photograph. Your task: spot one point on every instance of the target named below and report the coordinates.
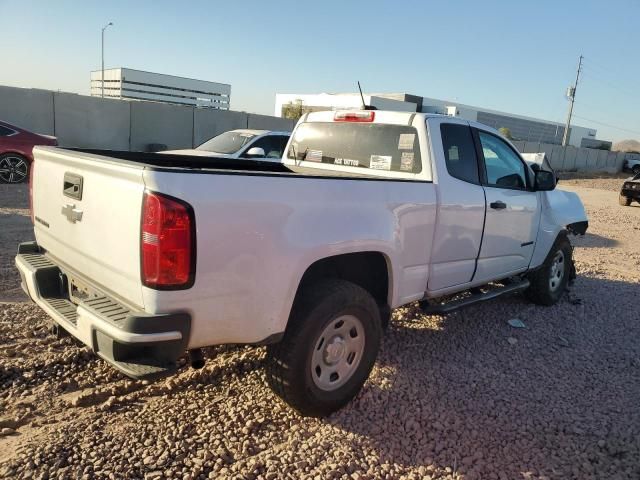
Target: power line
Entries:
(622, 90)
(607, 125)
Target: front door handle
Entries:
(499, 205)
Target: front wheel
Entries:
(624, 200)
(14, 168)
(549, 282)
(328, 349)
(636, 169)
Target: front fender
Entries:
(560, 211)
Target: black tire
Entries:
(636, 169)
(624, 200)
(14, 168)
(289, 362)
(541, 291)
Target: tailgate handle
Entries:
(72, 186)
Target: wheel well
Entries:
(366, 269)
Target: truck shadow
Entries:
(453, 392)
(591, 240)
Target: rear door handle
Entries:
(498, 205)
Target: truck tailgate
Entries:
(87, 216)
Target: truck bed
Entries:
(217, 164)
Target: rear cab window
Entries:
(380, 149)
(460, 152)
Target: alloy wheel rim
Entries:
(13, 169)
(557, 271)
(337, 352)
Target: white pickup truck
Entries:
(144, 256)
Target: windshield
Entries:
(227, 142)
(374, 146)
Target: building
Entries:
(597, 144)
(521, 127)
(125, 83)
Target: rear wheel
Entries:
(14, 168)
(329, 348)
(624, 200)
(549, 282)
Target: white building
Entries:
(129, 84)
(521, 127)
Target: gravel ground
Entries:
(612, 183)
(464, 396)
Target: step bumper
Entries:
(138, 344)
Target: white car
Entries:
(244, 143)
(142, 260)
(632, 165)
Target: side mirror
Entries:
(255, 152)
(545, 181)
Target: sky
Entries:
(514, 56)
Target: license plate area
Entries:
(79, 291)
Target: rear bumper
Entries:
(136, 343)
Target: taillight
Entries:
(32, 167)
(167, 244)
(358, 116)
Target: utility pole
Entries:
(102, 71)
(571, 94)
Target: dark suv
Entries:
(630, 191)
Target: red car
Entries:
(16, 146)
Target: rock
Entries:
(516, 323)
(7, 431)
(512, 340)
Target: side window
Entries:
(504, 167)
(278, 143)
(460, 152)
(264, 143)
(5, 132)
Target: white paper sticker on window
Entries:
(380, 162)
(314, 156)
(405, 142)
(406, 161)
(453, 153)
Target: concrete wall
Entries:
(209, 123)
(576, 159)
(28, 108)
(87, 122)
(90, 122)
(265, 122)
(159, 123)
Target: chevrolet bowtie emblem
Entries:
(73, 215)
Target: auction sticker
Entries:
(380, 162)
(406, 161)
(347, 162)
(405, 142)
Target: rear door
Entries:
(87, 212)
(513, 210)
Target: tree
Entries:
(506, 133)
(294, 110)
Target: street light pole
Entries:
(102, 71)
